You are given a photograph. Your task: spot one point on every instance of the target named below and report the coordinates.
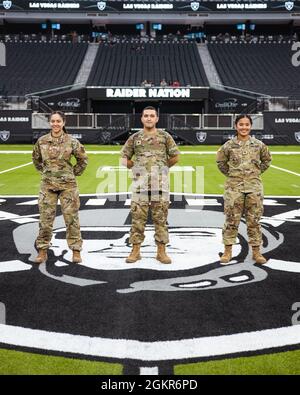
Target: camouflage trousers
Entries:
(140, 205)
(236, 204)
(70, 203)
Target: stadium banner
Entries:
(222, 102)
(153, 93)
(13, 124)
(87, 136)
(71, 101)
(211, 137)
(140, 6)
(111, 136)
(285, 125)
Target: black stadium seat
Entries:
(128, 64)
(259, 67)
(34, 67)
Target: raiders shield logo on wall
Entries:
(201, 136)
(101, 5)
(195, 6)
(7, 4)
(105, 137)
(297, 137)
(4, 135)
(289, 5)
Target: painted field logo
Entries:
(121, 309)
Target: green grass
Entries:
(285, 363)
(26, 180)
(25, 363)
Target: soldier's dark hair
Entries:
(150, 108)
(62, 115)
(241, 116)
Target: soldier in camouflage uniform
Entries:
(243, 159)
(155, 151)
(52, 157)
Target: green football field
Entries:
(195, 173)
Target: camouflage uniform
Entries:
(243, 162)
(52, 157)
(150, 185)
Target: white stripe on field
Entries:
(149, 371)
(285, 170)
(14, 168)
(193, 195)
(182, 152)
(150, 351)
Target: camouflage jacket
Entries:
(52, 157)
(151, 159)
(243, 163)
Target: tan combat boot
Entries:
(76, 257)
(227, 255)
(161, 254)
(42, 257)
(135, 254)
(256, 255)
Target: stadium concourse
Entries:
(200, 64)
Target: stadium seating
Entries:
(263, 67)
(128, 64)
(36, 66)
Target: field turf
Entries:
(282, 179)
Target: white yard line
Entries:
(285, 170)
(193, 195)
(14, 168)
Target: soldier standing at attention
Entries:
(52, 157)
(243, 159)
(155, 152)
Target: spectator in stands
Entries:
(154, 153)
(175, 83)
(144, 83)
(242, 160)
(52, 157)
(163, 82)
(74, 36)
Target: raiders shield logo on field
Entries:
(195, 6)
(195, 281)
(4, 135)
(7, 4)
(201, 136)
(297, 137)
(289, 5)
(101, 5)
